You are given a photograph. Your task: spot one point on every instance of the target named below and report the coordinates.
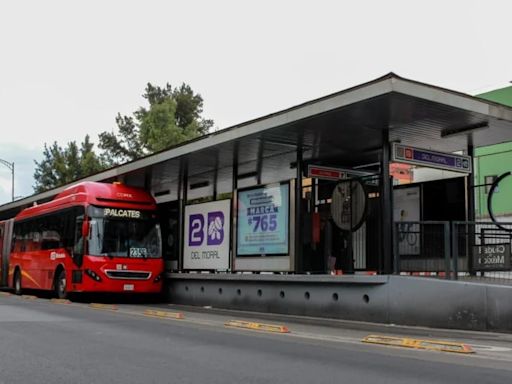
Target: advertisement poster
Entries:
(207, 235)
(406, 204)
(263, 221)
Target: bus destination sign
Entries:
(433, 159)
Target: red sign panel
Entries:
(326, 173)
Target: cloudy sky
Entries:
(68, 67)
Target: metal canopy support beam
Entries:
(216, 175)
(234, 204)
(182, 198)
(299, 262)
(385, 265)
(470, 209)
(259, 166)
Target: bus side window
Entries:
(23, 237)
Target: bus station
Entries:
(298, 213)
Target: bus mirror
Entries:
(85, 229)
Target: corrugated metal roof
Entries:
(343, 128)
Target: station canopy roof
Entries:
(345, 128)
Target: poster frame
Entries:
(226, 233)
(288, 232)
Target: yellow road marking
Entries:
(29, 297)
(108, 307)
(433, 345)
(60, 301)
(164, 314)
(257, 326)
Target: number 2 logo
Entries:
(196, 232)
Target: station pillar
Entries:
(470, 209)
(385, 266)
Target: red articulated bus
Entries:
(93, 237)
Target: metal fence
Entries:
(456, 250)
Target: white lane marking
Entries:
(490, 348)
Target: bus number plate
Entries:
(128, 287)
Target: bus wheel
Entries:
(17, 282)
(60, 285)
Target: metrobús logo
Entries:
(128, 213)
(57, 255)
(215, 229)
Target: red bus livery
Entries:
(93, 237)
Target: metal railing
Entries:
(454, 250)
(422, 248)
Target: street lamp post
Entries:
(11, 167)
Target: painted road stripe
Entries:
(433, 345)
(29, 297)
(163, 314)
(107, 307)
(5, 294)
(257, 326)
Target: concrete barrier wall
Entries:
(383, 299)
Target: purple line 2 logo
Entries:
(215, 229)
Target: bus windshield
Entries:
(123, 233)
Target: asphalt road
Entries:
(42, 341)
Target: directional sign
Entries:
(326, 173)
(433, 159)
(331, 173)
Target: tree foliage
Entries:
(64, 165)
(173, 116)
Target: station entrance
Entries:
(342, 225)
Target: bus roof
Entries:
(101, 194)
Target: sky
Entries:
(67, 68)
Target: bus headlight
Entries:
(92, 274)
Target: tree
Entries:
(64, 165)
(173, 116)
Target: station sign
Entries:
(326, 173)
(207, 235)
(332, 173)
(491, 257)
(433, 159)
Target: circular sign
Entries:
(348, 205)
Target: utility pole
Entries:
(11, 167)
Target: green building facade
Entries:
(489, 163)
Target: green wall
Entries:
(493, 161)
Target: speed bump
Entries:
(433, 345)
(107, 307)
(163, 314)
(257, 326)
